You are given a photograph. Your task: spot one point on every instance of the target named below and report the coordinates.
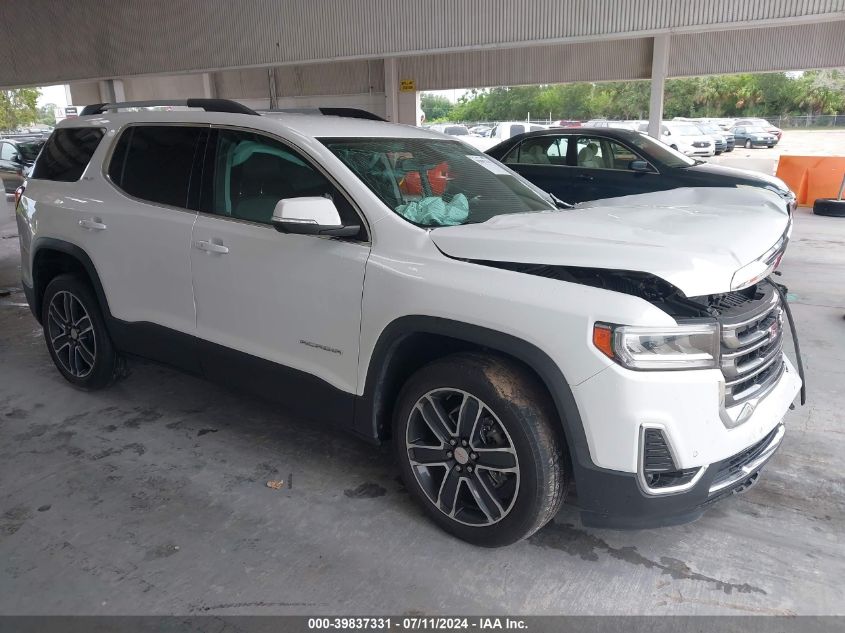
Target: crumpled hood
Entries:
(694, 238)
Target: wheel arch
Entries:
(410, 342)
(52, 257)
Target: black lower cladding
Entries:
(611, 499)
(299, 393)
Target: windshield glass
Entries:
(687, 129)
(659, 151)
(29, 151)
(432, 182)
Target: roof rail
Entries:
(351, 113)
(209, 105)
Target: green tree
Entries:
(746, 94)
(17, 107)
(435, 107)
(47, 114)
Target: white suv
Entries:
(399, 284)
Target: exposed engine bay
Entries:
(653, 289)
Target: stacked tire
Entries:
(831, 207)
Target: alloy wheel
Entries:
(71, 334)
(462, 457)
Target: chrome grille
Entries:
(752, 353)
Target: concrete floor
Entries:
(151, 497)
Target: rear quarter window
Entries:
(67, 154)
(155, 162)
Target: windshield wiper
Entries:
(560, 204)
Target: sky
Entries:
(52, 94)
(451, 95)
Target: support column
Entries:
(659, 67)
(207, 86)
(391, 89)
(111, 91)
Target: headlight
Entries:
(684, 346)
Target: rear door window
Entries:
(67, 154)
(155, 162)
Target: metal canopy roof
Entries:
(43, 41)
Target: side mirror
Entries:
(639, 165)
(310, 216)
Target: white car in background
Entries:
(684, 137)
(450, 129)
(501, 132)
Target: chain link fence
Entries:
(807, 121)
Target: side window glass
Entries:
(512, 157)
(6, 152)
(154, 162)
(590, 153)
(253, 172)
(67, 153)
(534, 151)
(620, 156)
(557, 150)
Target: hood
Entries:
(694, 238)
(740, 174)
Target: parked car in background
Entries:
(684, 137)
(596, 163)
(16, 158)
(762, 123)
(622, 125)
(507, 129)
(481, 130)
(723, 140)
(450, 129)
(566, 123)
(750, 136)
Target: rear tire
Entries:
(748, 144)
(76, 334)
(830, 207)
(475, 441)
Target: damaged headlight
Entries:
(685, 346)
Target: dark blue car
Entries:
(580, 164)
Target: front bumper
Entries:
(702, 436)
(615, 500)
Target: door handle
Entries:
(586, 177)
(92, 224)
(211, 247)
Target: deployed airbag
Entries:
(434, 211)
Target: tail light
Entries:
(19, 194)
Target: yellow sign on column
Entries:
(407, 85)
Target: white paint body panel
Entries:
(274, 293)
(696, 239)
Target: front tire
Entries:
(748, 143)
(76, 335)
(476, 445)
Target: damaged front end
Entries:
(751, 322)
